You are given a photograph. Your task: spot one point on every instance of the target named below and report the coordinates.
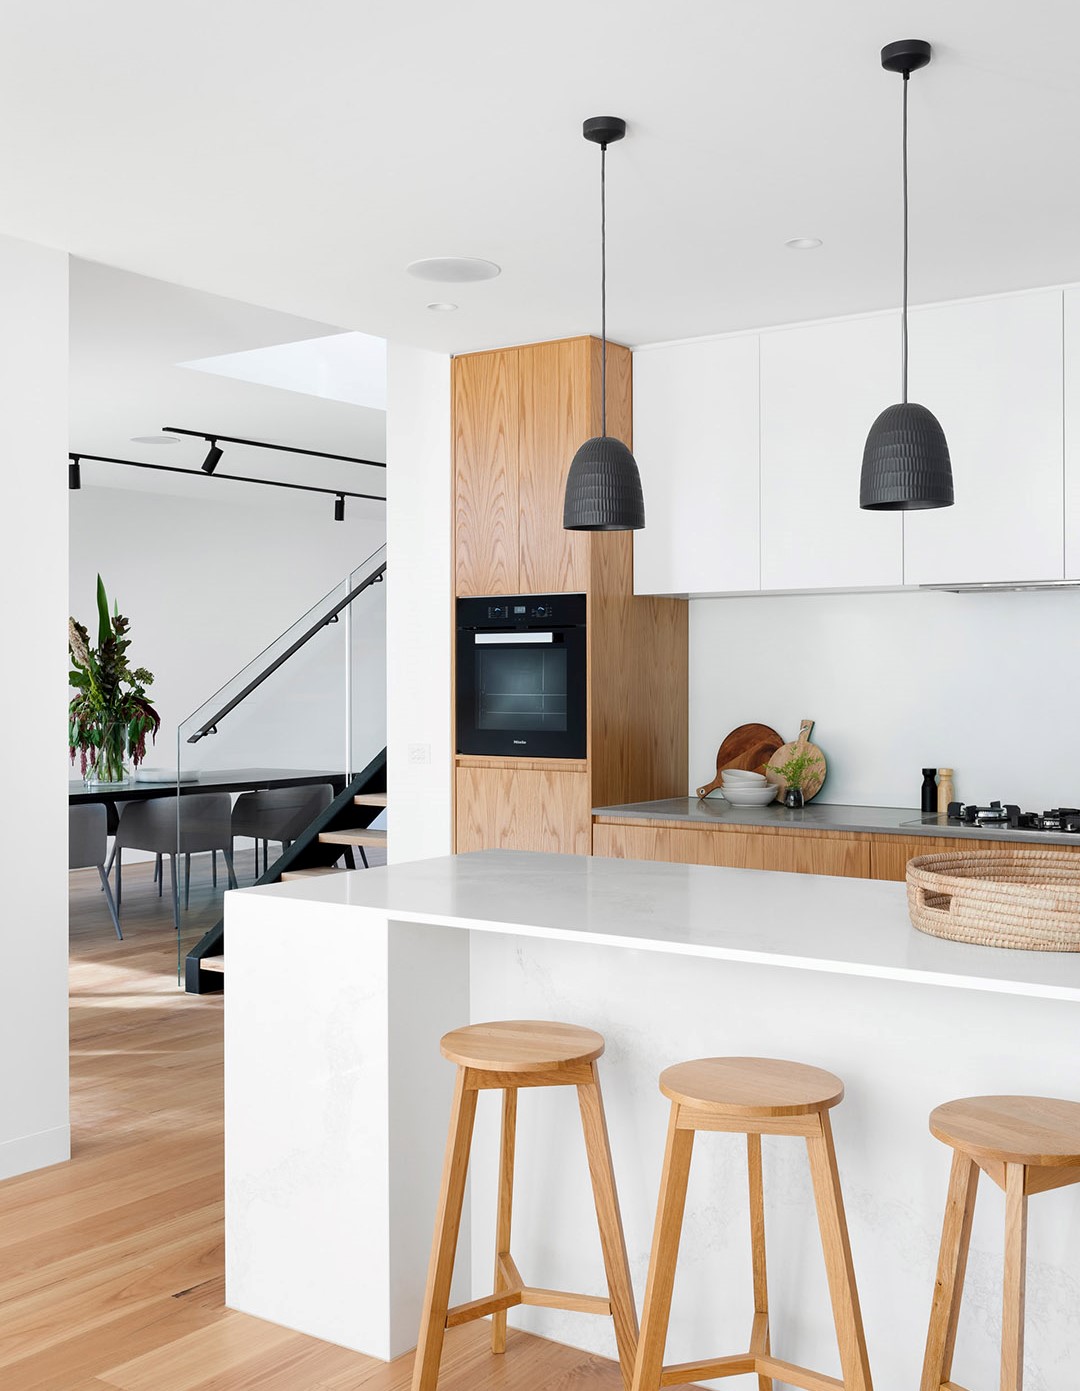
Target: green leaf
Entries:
(104, 623)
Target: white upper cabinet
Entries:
(696, 443)
(822, 387)
(991, 372)
(1072, 434)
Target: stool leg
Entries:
(1012, 1318)
(847, 1315)
(506, 1207)
(649, 1363)
(609, 1220)
(447, 1223)
(952, 1265)
(759, 1337)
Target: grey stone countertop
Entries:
(821, 816)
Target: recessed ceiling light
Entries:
(803, 243)
(454, 270)
(442, 308)
(154, 439)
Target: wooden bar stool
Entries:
(506, 1056)
(1026, 1144)
(751, 1097)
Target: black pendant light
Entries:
(906, 464)
(603, 487)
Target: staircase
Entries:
(340, 829)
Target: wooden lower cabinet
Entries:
(889, 855)
(523, 808)
(823, 853)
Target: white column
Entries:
(33, 697)
(419, 603)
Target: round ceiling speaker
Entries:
(454, 270)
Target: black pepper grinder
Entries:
(929, 791)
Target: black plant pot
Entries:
(793, 797)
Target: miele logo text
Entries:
(521, 741)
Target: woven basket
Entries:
(1026, 899)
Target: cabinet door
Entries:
(1072, 434)
(696, 443)
(502, 808)
(822, 387)
(486, 412)
(555, 387)
(991, 372)
(679, 845)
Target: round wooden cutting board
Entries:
(750, 746)
(813, 784)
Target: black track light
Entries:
(213, 457)
(74, 475)
(339, 508)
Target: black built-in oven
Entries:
(521, 676)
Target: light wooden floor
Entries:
(111, 1266)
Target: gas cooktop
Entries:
(1008, 817)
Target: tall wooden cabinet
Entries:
(519, 415)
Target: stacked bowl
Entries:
(745, 789)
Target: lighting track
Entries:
(211, 437)
(75, 458)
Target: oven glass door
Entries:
(522, 693)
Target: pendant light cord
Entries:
(603, 290)
(904, 315)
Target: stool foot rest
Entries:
(679, 1373)
(502, 1300)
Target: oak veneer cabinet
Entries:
(847, 854)
(798, 852)
(519, 416)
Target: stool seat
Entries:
(521, 1045)
(1038, 1131)
(751, 1086)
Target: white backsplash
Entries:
(986, 684)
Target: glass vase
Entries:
(106, 763)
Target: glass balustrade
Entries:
(261, 756)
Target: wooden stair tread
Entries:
(315, 872)
(371, 799)
(359, 836)
(213, 963)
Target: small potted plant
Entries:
(110, 714)
(795, 774)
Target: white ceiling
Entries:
(301, 156)
(132, 342)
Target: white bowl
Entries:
(744, 796)
(742, 775)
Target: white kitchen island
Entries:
(337, 1097)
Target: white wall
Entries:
(207, 585)
(33, 698)
(983, 683)
(419, 603)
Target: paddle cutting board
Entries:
(750, 746)
(813, 784)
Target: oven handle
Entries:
(511, 639)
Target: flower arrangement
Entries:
(109, 715)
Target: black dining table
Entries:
(208, 780)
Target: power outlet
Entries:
(419, 753)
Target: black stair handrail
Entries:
(210, 726)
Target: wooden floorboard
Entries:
(112, 1266)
